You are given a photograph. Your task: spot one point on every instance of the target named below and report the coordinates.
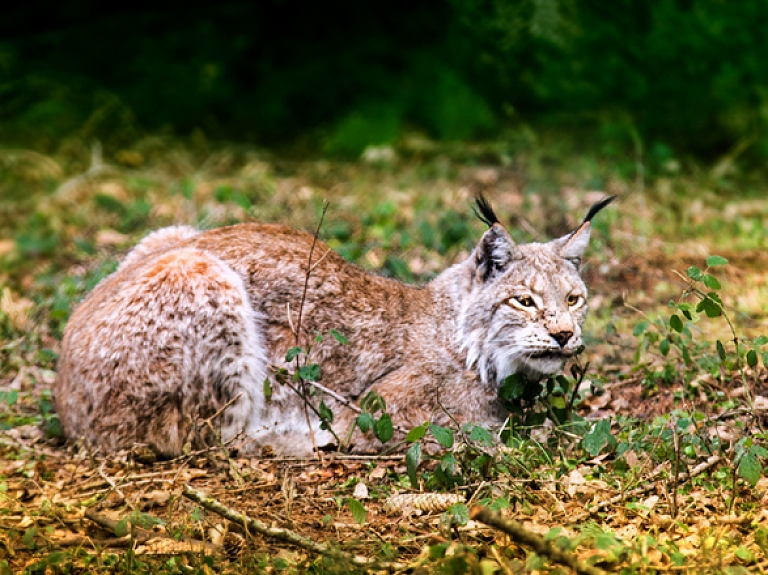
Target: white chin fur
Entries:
(540, 367)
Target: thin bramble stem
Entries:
(297, 332)
(310, 405)
(673, 483)
(309, 271)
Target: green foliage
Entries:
(374, 417)
(293, 353)
(137, 519)
(340, 337)
(674, 336)
(443, 436)
(456, 516)
(357, 77)
(531, 403)
(372, 125)
(413, 458)
(687, 359)
(748, 458)
(307, 372)
(383, 428)
(358, 511)
(598, 437)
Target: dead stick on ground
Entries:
(254, 525)
(83, 540)
(522, 535)
(112, 484)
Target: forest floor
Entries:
(658, 469)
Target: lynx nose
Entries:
(562, 337)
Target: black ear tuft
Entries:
(494, 253)
(484, 211)
(573, 245)
(597, 207)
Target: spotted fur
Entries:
(188, 325)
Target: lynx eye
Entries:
(524, 301)
(573, 300)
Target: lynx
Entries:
(190, 324)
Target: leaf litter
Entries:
(48, 490)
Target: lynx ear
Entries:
(573, 245)
(494, 253)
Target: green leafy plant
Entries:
(357, 509)
(675, 336)
(373, 417)
(532, 403)
(304, 378)
(686, 357)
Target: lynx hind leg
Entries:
(188, 344)
(163, 239)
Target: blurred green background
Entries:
(682, 76)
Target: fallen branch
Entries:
(83, 540)
(285, 535)
(522, 535)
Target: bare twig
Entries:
(308, 404)
(322, 257)
(673, 482)
(462, 433)
(209, 420)
(96, 169)
(579, 373)
(220, 443)
(338, 456)
(113, 486)
(81, 540)
(522, 535)
(285, 535)
(342, 400)
(338, 397)
(290, 318)
(520, 221)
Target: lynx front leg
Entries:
(170, 340)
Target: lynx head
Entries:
(522, 306)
